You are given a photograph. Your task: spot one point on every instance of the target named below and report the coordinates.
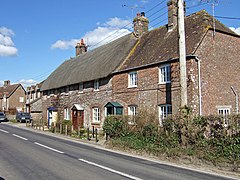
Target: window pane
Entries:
(165, 74)
(132, 79)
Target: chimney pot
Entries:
(80, 48)
(6, 83)
(140, 24)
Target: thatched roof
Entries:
(95, 64)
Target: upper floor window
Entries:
(21, 99)
(164, 111)
(96, 85)
(96, 114)
(164, 74)
(132, 79)
(81, 87)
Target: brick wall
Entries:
(13, 100)
(219, 71)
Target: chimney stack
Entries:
(172, 14)
(81, 48)
(140, 24)
(6, 83)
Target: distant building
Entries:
(34, 101)
(12, 98)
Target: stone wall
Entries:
(88, 99)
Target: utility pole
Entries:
(182, 53)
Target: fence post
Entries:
(96, 134)
(88, 134)
(60, 128)
(93, 132)
(55, 127)
(66, 128)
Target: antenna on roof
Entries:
(132, 7)
(213, 3)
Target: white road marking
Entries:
(4, 131)
(20, 137)
(48, 148)
(111, 170)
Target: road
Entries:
(29, 155)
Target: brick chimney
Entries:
(172, 14)
(81, 48)
(140, 24)
(6, 83)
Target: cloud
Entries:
(24, 82)
(6, 44)
(104, 33)
(236, 30)
(27, 82)
(64, 44)
(144, 1)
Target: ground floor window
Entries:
(96, 114)
(66, 114)
(224, 111)
(164, 111)
(132, 111)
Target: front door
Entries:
(78, 118)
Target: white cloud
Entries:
(6, 44)
(24, 82)
(104, 33)
(236, 30)
(64, 44)
(27, 82)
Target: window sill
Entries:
(129, 87)
(162, 83)
(96, 90)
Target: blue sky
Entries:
(36, 36)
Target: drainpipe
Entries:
(236, 96)
(199, 85)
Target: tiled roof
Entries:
(160, 45)
(8, 90)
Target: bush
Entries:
(205, 137)
(114, 126)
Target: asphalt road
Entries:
(29, 155)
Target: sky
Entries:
(36, 36)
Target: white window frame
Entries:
(132, 112)
(164, 74)
(164, 111)
(132, 79)
(224, 112)
(81, 87)
(96, 115)
(66, 114)
(96, 85)
(21, 99)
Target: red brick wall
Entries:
(220, 65)
(14, 99)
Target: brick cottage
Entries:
(141, 71)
